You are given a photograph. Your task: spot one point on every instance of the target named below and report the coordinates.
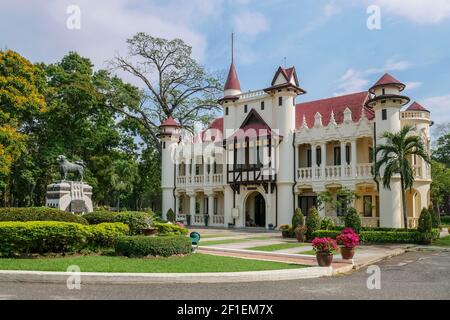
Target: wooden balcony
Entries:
(251, 174)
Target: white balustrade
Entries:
(200, 180)
(363, 171)
(415, 115)
(218, 220)
(252, 94)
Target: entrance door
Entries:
(260, 211)
(306, 203)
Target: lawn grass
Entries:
(195, 263)
(263, 238)
(224, 241)
(442, 242)
(309, 252)
(279, 246)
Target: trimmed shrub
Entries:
(445, 219)
(425, 221)
(353, 220)
(171, 217)
(383, 236)
(327, 224)
(39, 214)
(106, 234)
(298, 218)
(165, 229)
(140, 246)
(135, 220)
(435, 217)
(18, 238)
(312, 222)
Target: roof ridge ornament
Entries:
(304, 123)
(332, 118)
(318, 120)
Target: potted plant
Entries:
(348, 240)
(324, 247)
(206, 219)
(300, 233)
(148, 230)
(285, 230)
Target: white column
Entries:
(353, 160)
(343, 160)
(192, 205)
(313, 161)
(323, 148)
(177, 204)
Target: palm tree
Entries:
(394, 157)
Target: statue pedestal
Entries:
(70, 196)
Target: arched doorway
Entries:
(413, 203)
(255, 210)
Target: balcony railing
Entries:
(415, 115)
(200, 180)
(362, 171)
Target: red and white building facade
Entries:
(271, 153)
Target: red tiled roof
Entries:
(416, 107)
(214, 130)
(387, 79)
(355, 102)
(232, 80)
(170, 122)
(253, 126)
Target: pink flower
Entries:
(324, 245)
(348, 238)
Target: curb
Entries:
(148, 278)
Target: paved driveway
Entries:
(414, 275)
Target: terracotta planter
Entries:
(149, 231)
(347, 253)
(324, 259)
(301, 237)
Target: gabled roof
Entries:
(170, 122)
(416, 107)
(355, 102)
(232, 79)
(253, 126)
(387, 80)
(289, 74)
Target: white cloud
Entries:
(411, 85)
(439, 107)
(350, 82)
(331, 9)
(418, 11)
(358, 80)
(250, 23)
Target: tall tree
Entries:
(175, 84)
(22, 88)
(396, 150)
(440, 187)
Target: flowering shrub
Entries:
(348, 238)
(301, 229)
(179, 224)
(325, 245)
(285, 227)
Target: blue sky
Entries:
(326, 40)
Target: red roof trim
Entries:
(387, 80)
(232, 79)
(170, 122)
(415, 106)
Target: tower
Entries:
(169, 133)
(284, 89)
(386, 102)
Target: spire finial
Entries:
(232, 47)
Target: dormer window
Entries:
(280, 101)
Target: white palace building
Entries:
(269, 154)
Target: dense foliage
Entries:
(19, 238)
(313, 222)
(298, 218)
(140, 246)
(353, 220)
(39, 214)
(136, 221)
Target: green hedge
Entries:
(445, 219)
(106, 234)
(141, 246)
(382, 236)
(135, 220)
(39, 214)
(19, 238)
(169, 229)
